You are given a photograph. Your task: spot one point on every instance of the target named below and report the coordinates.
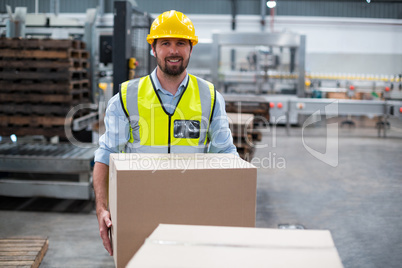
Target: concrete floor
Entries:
(359, 200)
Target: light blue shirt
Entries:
(117, 125)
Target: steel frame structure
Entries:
(287, 40)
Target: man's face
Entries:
(172, 55)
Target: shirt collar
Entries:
(159, 87)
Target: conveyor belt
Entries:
(292, 106)
(46, 158)
(54, 160)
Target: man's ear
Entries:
(153, 50)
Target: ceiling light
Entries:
(271, 4)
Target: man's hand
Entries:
(104, 224)
(100, 181)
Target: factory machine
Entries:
(261, 64)
(252, 68)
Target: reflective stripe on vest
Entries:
(154, 130)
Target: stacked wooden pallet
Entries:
(40, 81)
(244, 134)
(23, 251)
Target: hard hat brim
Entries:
(194, 40)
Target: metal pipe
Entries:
(36, 6)
(233, 52)
(55, 6)
(263, 12)
(272, 13)
(101, 9)
(301, 51)
(234, 13)
(122, 37)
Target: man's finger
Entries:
(108, 222)
(106, 242)
(108, 246)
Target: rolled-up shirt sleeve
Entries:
(117, 131)
(221, 140)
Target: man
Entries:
(169, 111)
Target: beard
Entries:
(172, 70)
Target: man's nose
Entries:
(173, 49)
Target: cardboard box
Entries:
(241, 123)
(344, 95)
(197, 189)
(182, 246)
(337, 95)
(241, 126)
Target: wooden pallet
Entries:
(22, 252)
(78, 96)
(57, 64)
(40, 81)
(38, 121)
(33, 120)
(65, 87)
(20, 43)
(43, 54)
(43, 75)
(29, 109)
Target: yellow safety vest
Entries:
(154, 130)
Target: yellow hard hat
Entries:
(172, 24)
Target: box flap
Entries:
(154, 162)
(240, 236)
(162, 256)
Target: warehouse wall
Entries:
(372, 46)
(331, 8)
